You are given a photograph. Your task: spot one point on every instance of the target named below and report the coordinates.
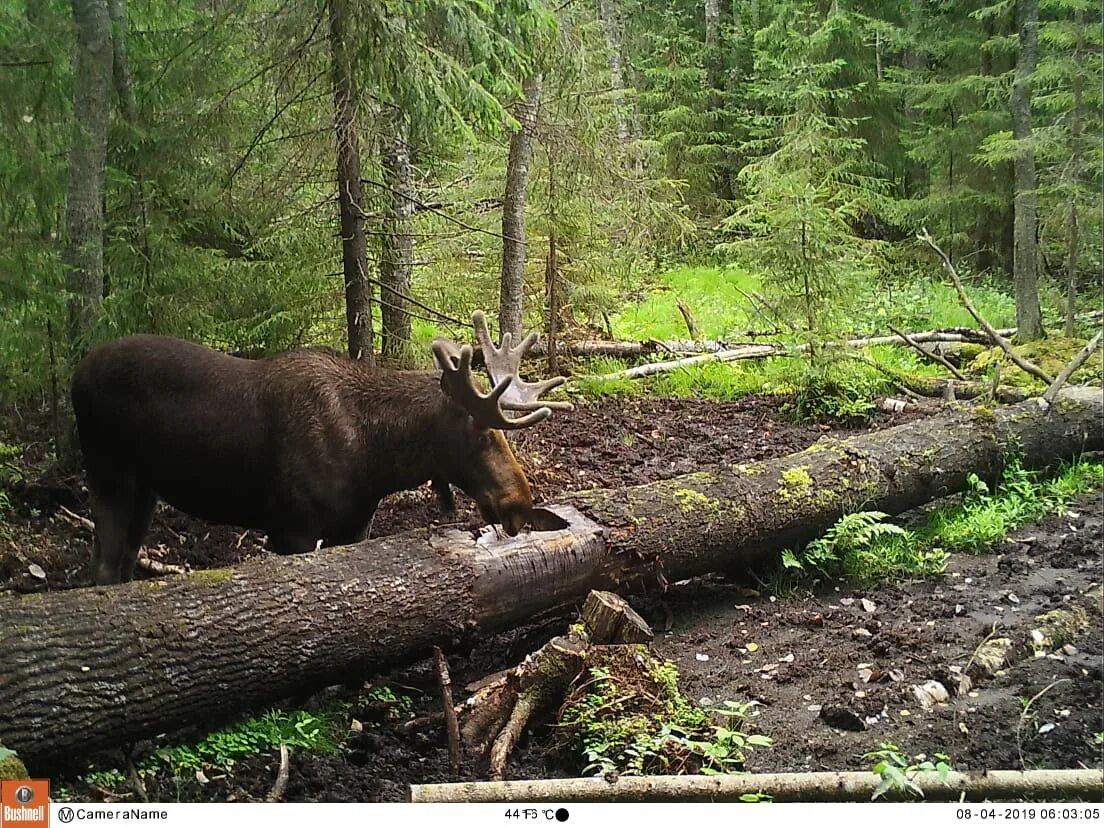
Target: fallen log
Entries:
(844, 786)
(96, 667)
(767, 349)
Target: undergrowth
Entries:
(630, 718)
(862, 547)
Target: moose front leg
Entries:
(445, 501)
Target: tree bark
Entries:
(358, 289)
(611, 28)
(1073, 244)
(1024, 256)
(124, 88)
(90, 668)
(513, 209)
(84, 213)
(397, 253)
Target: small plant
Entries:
(986, 517)
(629, 717)
(898, 770)
(833, 388)
(862, 546)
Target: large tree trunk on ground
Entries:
(513, 209)
(354, 250)
(397, 254)
(84, 216)
(1029, 322)
(89, 668)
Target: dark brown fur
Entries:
(302, 445)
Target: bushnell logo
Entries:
(25, 803)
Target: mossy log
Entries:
(97, 667)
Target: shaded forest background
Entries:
(258, 174)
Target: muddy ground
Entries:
(833, 674)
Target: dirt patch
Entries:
(820, 663)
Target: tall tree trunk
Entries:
(124, 88)
(1072, 231)
(1024, 257)
(611, 28)
(84, 212)
(358, 290)
(397, 252)
(713, 64)
(513, 208)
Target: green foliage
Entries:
(898, 770)
(833, 388)
(319, 731)
(862, 548)
(715, 295)
(852, 536)
(985, 517)
(619, 728)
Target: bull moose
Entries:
(302, 445)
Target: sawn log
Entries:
(96, 667)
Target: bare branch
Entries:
(1073, 365)
(929, 354)
(1003, 343)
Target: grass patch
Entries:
(861, 547)
(713, 295)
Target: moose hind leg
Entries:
(140, 516)
(111, 513)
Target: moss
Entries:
(797, 477)
(984, 412)
(689, 500)
(1051, 354)
(211, 576)
(11, 767)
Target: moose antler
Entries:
(510, 392)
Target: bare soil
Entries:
(833, 674)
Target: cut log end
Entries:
(610, 620)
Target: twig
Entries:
(452, 727)
(1073, 365)
(79, 520)
(144, 561)
(929, 354)
(1023, 715)
(280, 785)
(755, 307)
(133, 779)
(1003, 343)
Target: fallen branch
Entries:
(444, 682)
(912, 343)
(1003, 343)
(761, 350)
(1073, 365)
(279, 787)
(1044, 785)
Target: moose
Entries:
(302, 445)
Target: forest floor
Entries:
(832, 669)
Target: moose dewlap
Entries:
(302, 445)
